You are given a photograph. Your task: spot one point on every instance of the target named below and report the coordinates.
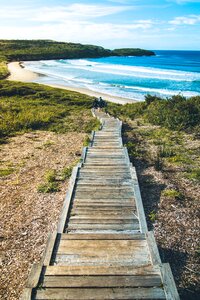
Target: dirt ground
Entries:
(27, 216)
(174, 220)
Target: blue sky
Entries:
(156, 24)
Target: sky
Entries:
(154, 25)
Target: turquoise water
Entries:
(166, 74)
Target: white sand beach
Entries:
(19, 73)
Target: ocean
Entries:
(166, 74)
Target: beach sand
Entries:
(19, 73)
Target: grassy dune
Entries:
(3, 69)
(26, 107)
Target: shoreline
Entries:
(19, 73)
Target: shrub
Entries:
(6, 172)
(49, 187)
(152, 216)
(50, 176)
(194, 174)
(171, 193)
(66, 173)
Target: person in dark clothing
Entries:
(96, 103)
(99, 103)
(102, 103)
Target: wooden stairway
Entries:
(102, 249)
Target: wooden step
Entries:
(77, 220)
(102, 182)
(102, 252)
(120, 194)
(102, 214)
(101, 281)
(100, 226)
(117, 169)
(100, 293)
(101, 176)
(102, 270)
(139, 236)
(112, 201)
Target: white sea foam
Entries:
(72, 72)
(134, 71)
(122, 91)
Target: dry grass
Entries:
(26, 216)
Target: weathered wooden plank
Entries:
(110, 164)
(83, 155)
(100, 205)
(101, 281)
(101, 293)
(105, 193)
(98, 196)
(115, 209)
(34, 275)
(169, 285)
(102, 231)
(112, 213)
(101, 221)
(26, 294)
(123, 168)
(105, 245)
(126, 155)
(102, 270)
(76, 226)
(138, 200)
(49, 248)
(103, 183)
(102, 217)
(93, 236)
(153, 249)
(103, 175)
(68, 198)
(93, 203)
(114, 200)
(105, 159)
(96, 204)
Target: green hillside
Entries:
(47, 49)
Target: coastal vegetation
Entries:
(3, 69)
(25, 107)
(174, 113)
(132, 52)
(17, 50)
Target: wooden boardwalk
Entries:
(102, 248)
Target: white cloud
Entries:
(80, 31)
(60, 13)
(186, 20)
(76, 23)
